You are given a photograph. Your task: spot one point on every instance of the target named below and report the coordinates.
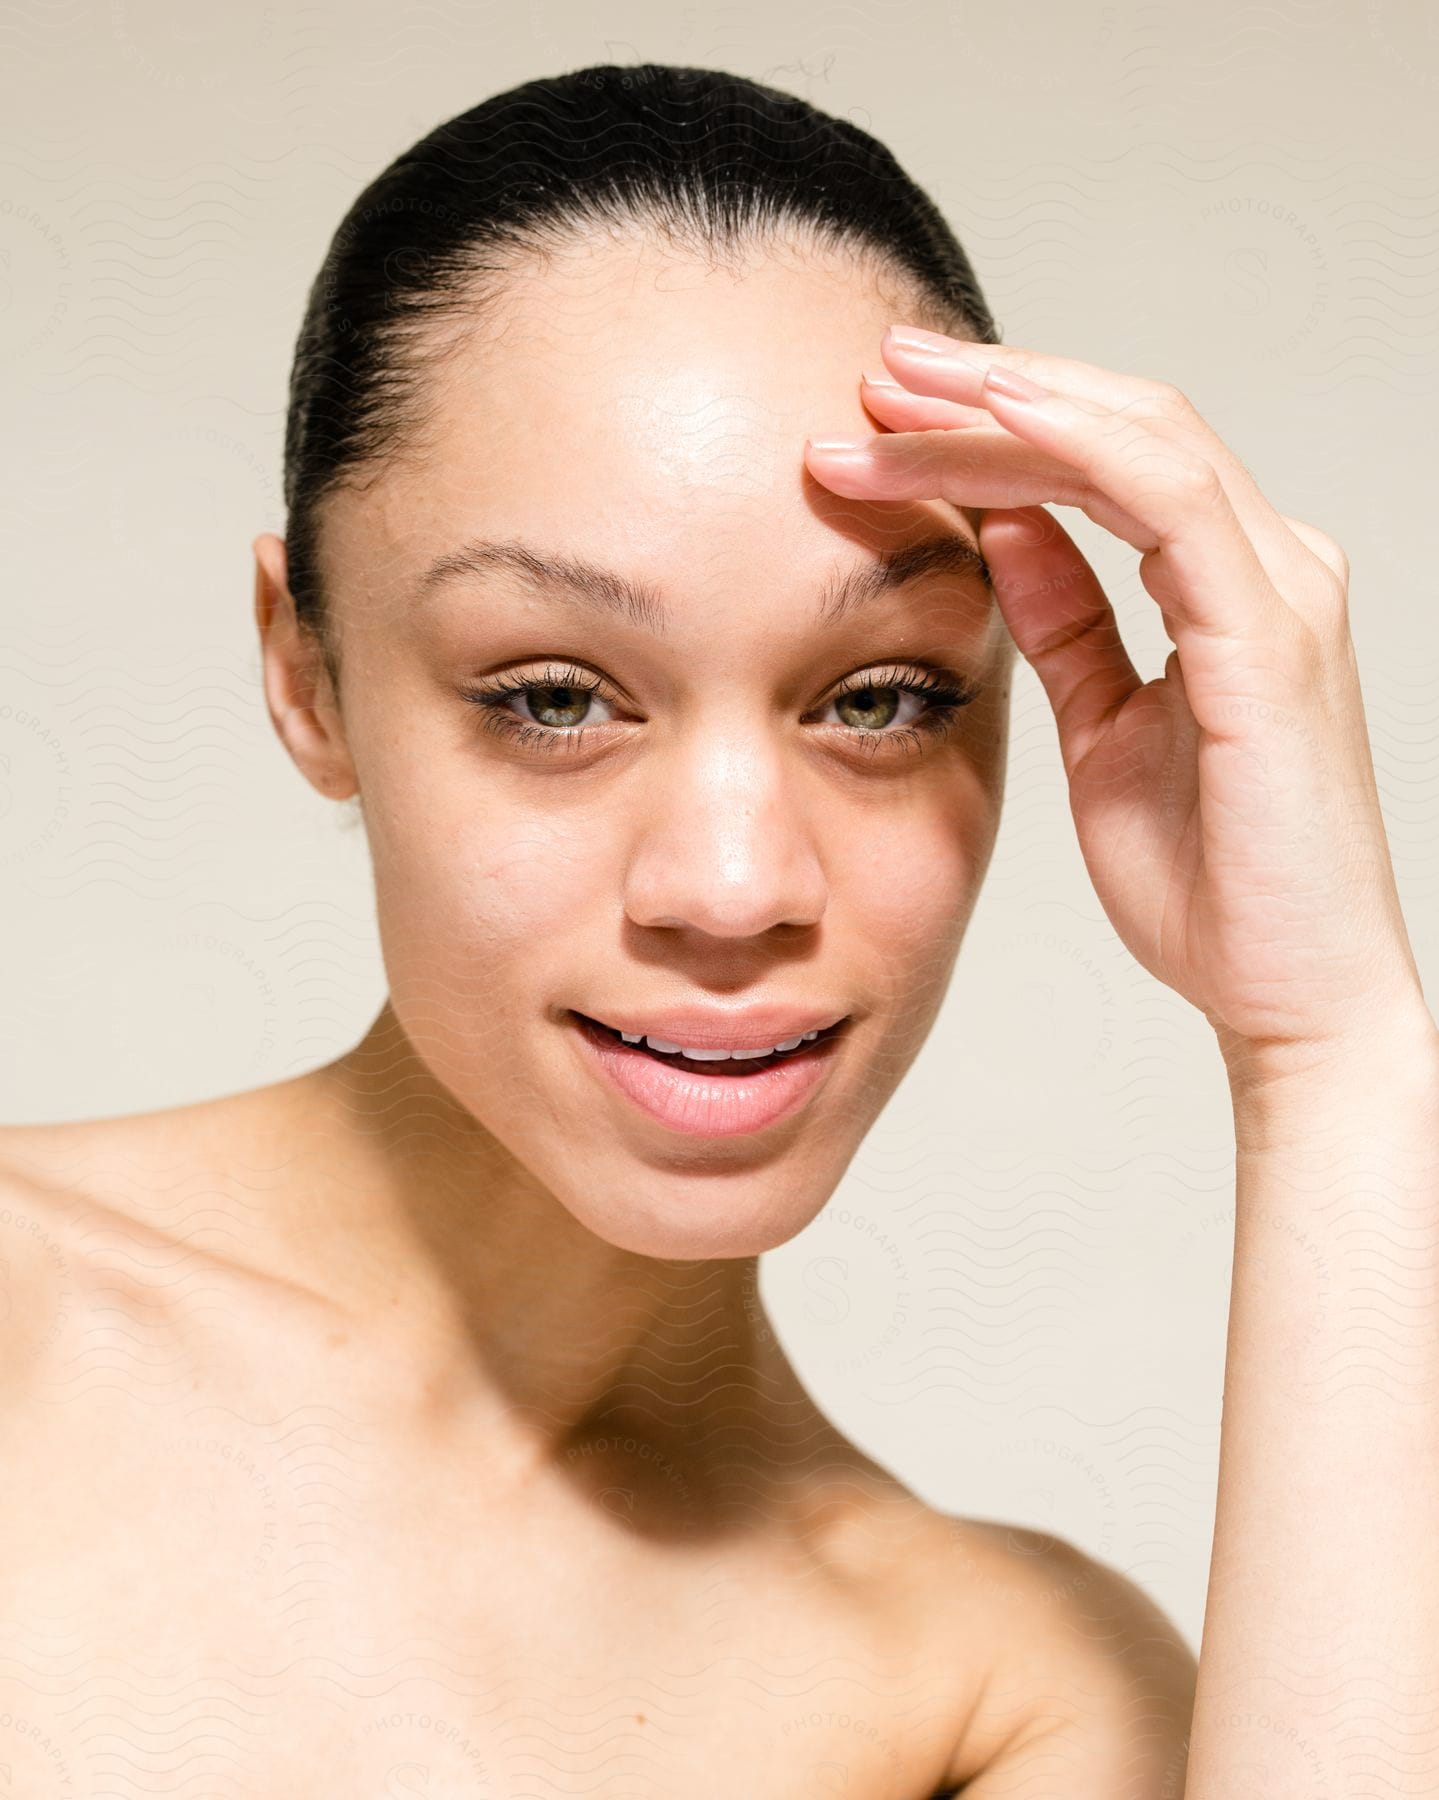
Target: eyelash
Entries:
(945, 693)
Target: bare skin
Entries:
(240, 1499)
(416, 1422)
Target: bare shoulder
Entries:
(1060, 1673)
(40, 1276)
(82, 1168)
(130, 1161)
(55, 1185)
(1091, 1689)
(90, 1209)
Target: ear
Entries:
(300, 696)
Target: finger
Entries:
(954, 369)
(938, 363)
(899, 410)
(1214, 581)
(1061, 621)
(984, 467)
(1323, 547)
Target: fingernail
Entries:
(914, 337)
(836, 446)
(880, 380)
(1011, 383)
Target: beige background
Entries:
(1017, 1297)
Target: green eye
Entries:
(572, 703)
(868, 704)
(560, 700)
(872, 712)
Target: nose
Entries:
(727, 847)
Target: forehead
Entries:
(649, 410)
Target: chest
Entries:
(218, 1596)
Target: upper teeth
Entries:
(698, 1055)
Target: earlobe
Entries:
(298, 692)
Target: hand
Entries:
(1227, 811)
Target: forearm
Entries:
(1319, 1662)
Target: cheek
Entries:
(476, 914)
(485, 883)
(911, 901)
(914, 875)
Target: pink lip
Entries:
(708, 1105)
(712, 1028)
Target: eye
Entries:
(559, 703)
(926, 702)
(554, 708)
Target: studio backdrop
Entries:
(1016, 1299)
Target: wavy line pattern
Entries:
(1015, 1294)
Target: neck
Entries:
(500, 1309)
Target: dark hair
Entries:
(711, 161)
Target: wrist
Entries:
(1391, 1028)
(1324, 1090)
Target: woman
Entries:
(413, 1426)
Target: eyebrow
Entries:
(590, 586)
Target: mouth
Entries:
(729, 1067)
(712, 1098)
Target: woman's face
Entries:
(679, 813)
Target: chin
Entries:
(690, 1218)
